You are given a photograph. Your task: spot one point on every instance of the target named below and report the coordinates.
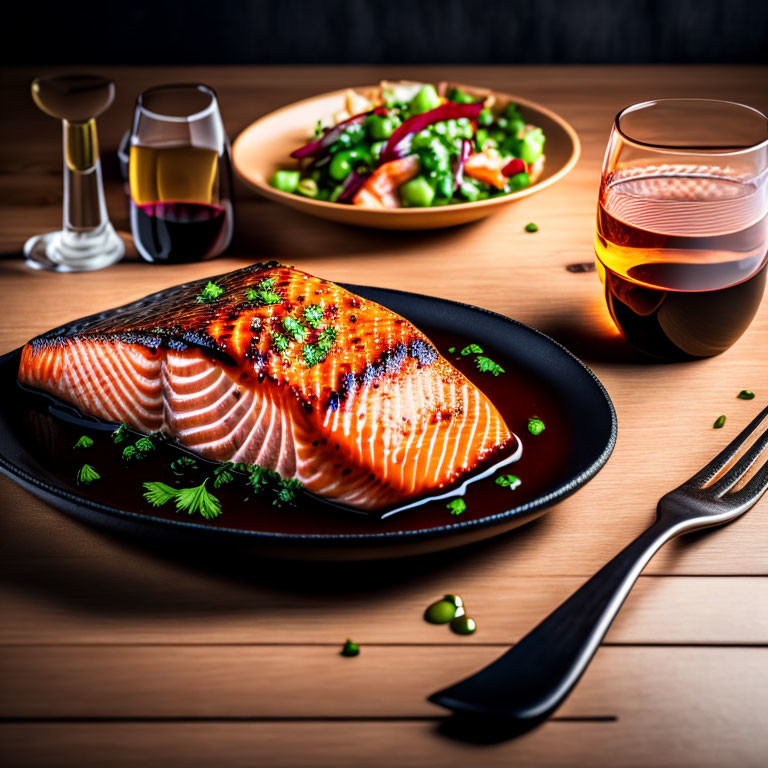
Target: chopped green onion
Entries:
(472, 349)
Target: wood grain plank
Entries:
(384, 681)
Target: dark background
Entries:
(385, 31)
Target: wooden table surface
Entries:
(117, 655)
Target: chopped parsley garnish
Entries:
(210, 293)
(316, 353)
(350, 649)
(531, 227)
(746, 394)
(87, 474)
(222, 475)
(286, 491)
(536, 426)
(185, 467)
(295, 328)
(264, 292)
(508, 481)
(120, 434)
(258, 477)
(325, 340)
(84, 442)
(457, 506)
(142, 448)
(719, 422)
(313, 314)
(486, 365)
(195, 500)
(279, 342)
(472, 349)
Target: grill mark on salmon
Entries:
(382, 419)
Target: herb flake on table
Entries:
(83, 442)
(87, 475)
(531, 227)
(719, 422)
(210, 293)
(746, 394)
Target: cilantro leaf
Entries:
(313, 314)
(198, 500)
(158, 494)
(210, 293)
(457, 506)
(84, 442)
(487, 365)
(472, 349)
(87, 474)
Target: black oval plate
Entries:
(541, 379)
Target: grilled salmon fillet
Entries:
(272, 366)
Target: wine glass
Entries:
(682, 224)
(179, 175)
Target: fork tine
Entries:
(738, 470)
(706, 473)
(754, 489)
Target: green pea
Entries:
(417, 192)
(285, 181)
(424, 100)
(459, 97)
(536, 426)
(519, 181)
(470, 191)
(444, 185)
(485, 118)
(463, 625)
(380, 127)
(532, 146)
(341, 164)
(350, 649)
(307, 187)
(440, 612)
(377, 148)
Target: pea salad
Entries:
(405, 145)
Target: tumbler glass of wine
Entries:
(179, 174)
(682, 224)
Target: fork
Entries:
(525, 686)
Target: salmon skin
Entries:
(269, 365)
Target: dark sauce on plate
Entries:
(517, 394)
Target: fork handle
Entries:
(532, 679)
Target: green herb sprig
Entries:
(508, 481)
(194, 500)
(210, 293)
(486, 365)
(87, 475)
(536, 426)
(457, 506)
(264, 292)
(83, 442)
